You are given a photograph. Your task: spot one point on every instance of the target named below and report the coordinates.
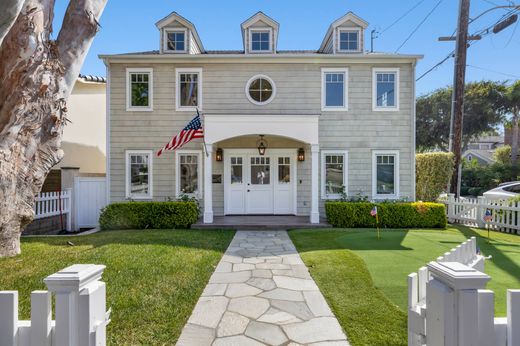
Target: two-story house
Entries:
(285, 131)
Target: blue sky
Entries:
(129, 26)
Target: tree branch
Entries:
(8, 15)
(79, 27)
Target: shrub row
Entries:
(433, 172)
(140, 215)
(390, 215)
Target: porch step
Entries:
(263, 222)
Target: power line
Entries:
(451, 55)
(493, 71)
(401, 17)
(419, 25)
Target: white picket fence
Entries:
(505, 215)
(54, 203)
(80, 311)
(448, 305)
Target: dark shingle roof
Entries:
(90, 78)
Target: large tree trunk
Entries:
(36, 78)
(514, 144)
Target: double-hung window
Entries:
(189, 89)
(188, 172)
(349, 40)
(260, 40)
(385, 174)
(334, 89)
(139, 174)
(139, 89)
(175, 41)
(385, 89)
(333, 173)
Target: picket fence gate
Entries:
(80, 311)
(448, 305)
(53, 204)
(505, 215)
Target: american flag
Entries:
(191, 131)
(373, 212)
(488, 217)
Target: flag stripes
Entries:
(192, 131)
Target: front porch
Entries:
(260, 222)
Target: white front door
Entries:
(255, 184)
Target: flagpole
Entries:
(204, 137)
(377, 225)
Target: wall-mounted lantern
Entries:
(219, 154)
(301, 154)
(261, 144)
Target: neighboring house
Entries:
(84, 135)
(483, 149)
(284, 130)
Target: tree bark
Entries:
(8, 15)
(36, 77)
(514, 143)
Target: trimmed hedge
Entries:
(153, 215)
(433, 173)
(391, 215)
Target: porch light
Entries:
(261, 144)
(219, 154)
(301, 154)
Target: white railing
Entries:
(505, 215)
(80, 311)
(448, 305)
(52, 204)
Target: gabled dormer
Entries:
(345, 35)
(178, 35)
(260, 34)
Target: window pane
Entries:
(348, 41)
(334, 175)
(284, 170)
(334, 91)
(139, 174)
(260, 174)
(189, 174)
(236, 170)
(260, 90)
(386, 176)
(139, 90)
(189, 92)
(386, 90)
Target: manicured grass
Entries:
(153, 277)
(364, 279)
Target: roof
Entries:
(489, 139)
(486, 155)
(90, 78)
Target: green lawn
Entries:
(365, 279)
(154, 277)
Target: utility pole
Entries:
(457, 102)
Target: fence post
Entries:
(486, 317)
(8, 318)
(67, 284)
(69, 209)
(41, 318)
(452, 303)
(451, 207)
(481, 202)
(513, 317)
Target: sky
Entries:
(129, 26)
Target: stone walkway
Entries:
(261, 293)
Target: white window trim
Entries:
(178, 172)
(129, 107)
(324, 153)
(128, 194)
(377, 70)
(259, 29)
(340, 30)
(324, 71)
(165, 40)
(178, 106)
(375, 153)
(249, 84)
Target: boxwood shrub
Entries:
(391, 215)
(140, 215)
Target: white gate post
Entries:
(8, 318)
(452, 303)
(480, 211)
(41, 318)
(513, 317)
(451, 207)
(68, 284)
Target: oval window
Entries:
(260, 90)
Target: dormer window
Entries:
(260, 40)
(175, 41)
(349, 41)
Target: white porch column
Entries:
(208, 184)
(315, 194)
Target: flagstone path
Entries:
(261, 293)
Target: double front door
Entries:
(259, 184)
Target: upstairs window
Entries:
(386, 89)
(176, 41)
(139, 89)
(349, 41)
(334, 89)
(260, 90)
(189, 85)
(260, 41)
